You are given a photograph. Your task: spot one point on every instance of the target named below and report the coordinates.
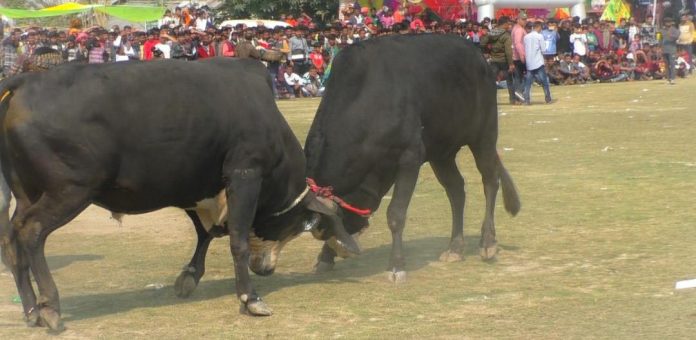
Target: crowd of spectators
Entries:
(299, 57)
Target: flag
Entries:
(616, 10)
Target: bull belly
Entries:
(138, 202)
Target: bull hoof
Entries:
(450, 256)
(52, 319)
(489, 253)
(397, 277)
(323, 267)
(32, 319)
(185, 285)
(255, 308)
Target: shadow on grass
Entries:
(56, 262)
(373, 261)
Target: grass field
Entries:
(607, 178)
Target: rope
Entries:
(327, 192)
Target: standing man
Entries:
(533, 48)
(550, 39)
(501, 53)
(518, 56)
(299, 51)
(670, 35)
(686, 35)
(564, 33)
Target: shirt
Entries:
(166, 50)
(550, 38)
(518, 34)
(579, 41)
(292, 79)
(533, 50)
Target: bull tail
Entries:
(7, 88)
(511, 199)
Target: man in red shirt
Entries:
(152, 40)
(205, 49)
(317, 57)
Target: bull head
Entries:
(326, 211)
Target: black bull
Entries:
(137, 137)
(393, 103)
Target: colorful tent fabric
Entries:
(134, 13)
(446, 9)
(26, 13)
(616, 10)
(68, 6)
(561, 14)
(129, 13)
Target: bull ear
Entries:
(328, 209)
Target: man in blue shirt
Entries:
(550, 38)
(533, 49)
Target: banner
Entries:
(128, 13)
(134, 13)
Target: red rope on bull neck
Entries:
(326, 192)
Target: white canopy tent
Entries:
(486, 8)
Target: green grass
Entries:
(606, 175)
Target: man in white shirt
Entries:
(533, 50)
(293, 82)
(164, 45)
(579, 41)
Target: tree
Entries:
(320, 10)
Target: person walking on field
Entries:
(501, 53)
(533, 49)
(518, 56)
(670, 35)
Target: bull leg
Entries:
(451, 179)
(243, 190)
(14, 258)
(49, 213)
(192, 273)
(404, 185)
(487, 164)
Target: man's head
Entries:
(248, 34)
(503, 22)
(288, 69)
(522, 19)
(312, 71)
(668, 22)
(538, 26)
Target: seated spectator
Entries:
(311, 83)
(683, 67)
(554, 72)
(584, 74)
(642, 66)
(293, 82)
(568, 70)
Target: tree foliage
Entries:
(320, 10)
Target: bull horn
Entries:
(343, 239)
